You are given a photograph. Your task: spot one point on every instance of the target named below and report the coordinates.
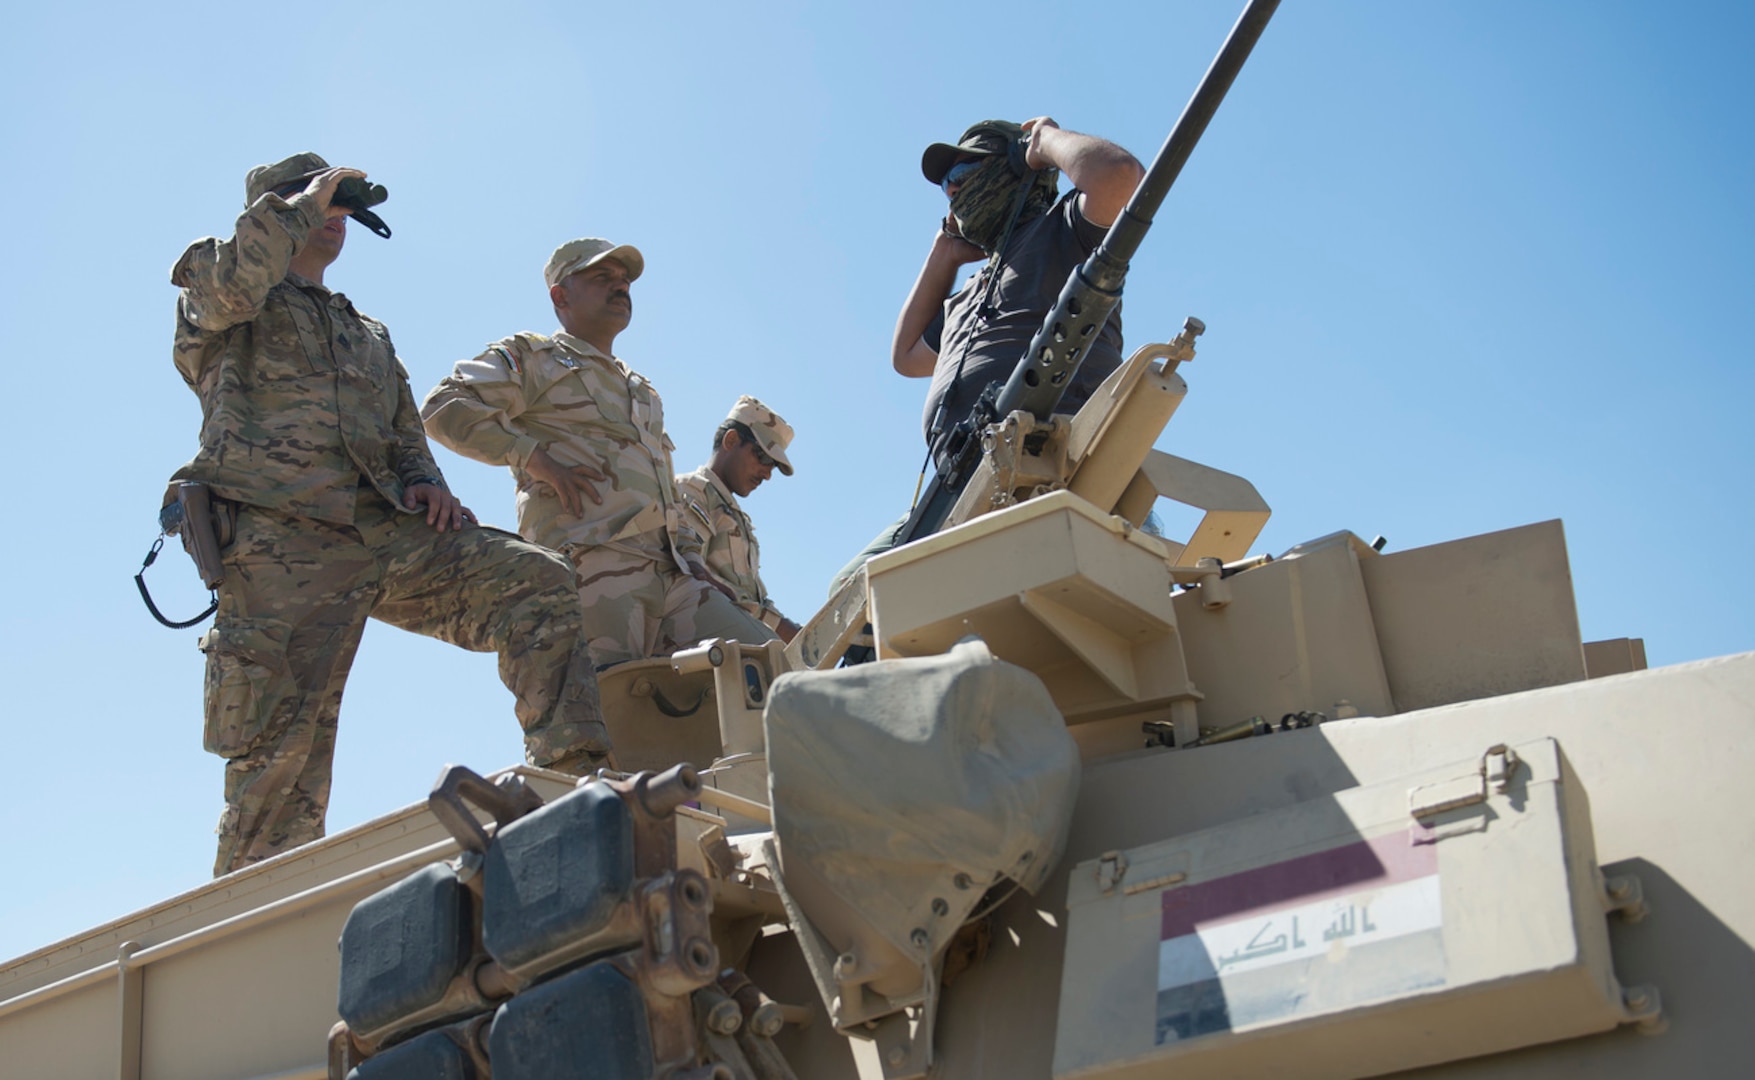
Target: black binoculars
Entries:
(353, 193)
(356, 196)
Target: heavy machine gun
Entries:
(1041, 378)
(1091, 292)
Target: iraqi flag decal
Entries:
(1335, 929)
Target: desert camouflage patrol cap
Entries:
(989, 138)
(575, 255)
(772, 433)
(265, 178)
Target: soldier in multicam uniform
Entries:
(584, 436)
(312, 446)
(747, 448)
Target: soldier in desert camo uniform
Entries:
(584, 436)
(747, 448)
(313, 450)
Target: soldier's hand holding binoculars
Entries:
(322, 188)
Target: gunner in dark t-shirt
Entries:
(1003, 183)
(1005, 209)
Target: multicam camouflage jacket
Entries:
(732, 554)
(584, 408)
(301, 395)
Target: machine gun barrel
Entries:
(1107, 266)
(1093, 289)
(1041, 379)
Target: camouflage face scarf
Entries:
(984, 202)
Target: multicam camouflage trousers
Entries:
(638, 604)
(294, 603)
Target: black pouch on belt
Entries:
(204, 524)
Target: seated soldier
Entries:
(747, 448)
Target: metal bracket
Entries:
(506, 800)
(1643, 1006)
(1499, 764)
(1111, 868)
(904, 1039)
(1623, 893)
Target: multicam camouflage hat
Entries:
(986, 139)
(772, 433)
(575, 255)
(265, 178)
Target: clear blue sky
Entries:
(1464, 266)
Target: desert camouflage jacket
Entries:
(583, 408)
(730, 549)
(301, 395)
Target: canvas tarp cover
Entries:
(891, 778)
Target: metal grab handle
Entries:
(648, 689)
(506, 801)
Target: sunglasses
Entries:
(762, 457)
(958, 173)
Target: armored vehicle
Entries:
(1100, 803)
(1106, 804)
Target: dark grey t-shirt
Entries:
(990, 343)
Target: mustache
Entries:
(622, 294)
